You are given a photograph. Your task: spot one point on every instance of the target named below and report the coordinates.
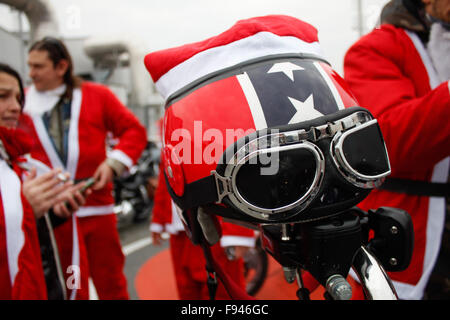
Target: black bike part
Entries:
(191, 226)
(329, 247)
(303, 294)
(416, 188)
(255, 260)
(323, 248)
(393, 240)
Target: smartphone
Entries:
(89, 183)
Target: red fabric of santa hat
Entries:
(173, 69)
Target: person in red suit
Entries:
(22, 202)
(399, 71)
(188, 259)
(70, 120)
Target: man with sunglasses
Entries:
(70, 120)
(400, 72)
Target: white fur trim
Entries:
(41, 131)
(432, 74)
(438, 48)
(227, 241)
(10, 188)
(73, 151)
(156, 227)
(121, 156)
(95, 211)
(39, 102)
(258, 45)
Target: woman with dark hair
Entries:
(14, 74)
(21, 203)
(70, 120)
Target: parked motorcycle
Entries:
(328, 249)
(134, 191)
(370, 243)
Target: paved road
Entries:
(137, 247)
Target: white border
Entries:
(10, 188)
(87, 211)
(253, 102)
(122, 157)
(218, 58)
(331, 85)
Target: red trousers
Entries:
(101, 257)
(190, 273)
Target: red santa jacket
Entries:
(391, 74)
(165, 218)
(21, 272)
(95, 111)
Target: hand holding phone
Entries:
(89, 183)
(74, 201)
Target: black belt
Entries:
(415, 187)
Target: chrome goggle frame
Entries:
(279, 142)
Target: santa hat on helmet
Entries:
(174, 69)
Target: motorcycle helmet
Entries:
(259, 128)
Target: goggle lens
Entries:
(365, 152)
(294, 172)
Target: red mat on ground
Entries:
(155, 281)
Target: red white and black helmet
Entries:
(258, 127)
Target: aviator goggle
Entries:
(299, 172)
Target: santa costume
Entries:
(89, 244)
(21, 272)
(390, 72)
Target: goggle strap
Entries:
(416, 188)
(196, 193)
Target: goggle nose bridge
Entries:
(223, 186)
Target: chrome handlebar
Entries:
(374, 280)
